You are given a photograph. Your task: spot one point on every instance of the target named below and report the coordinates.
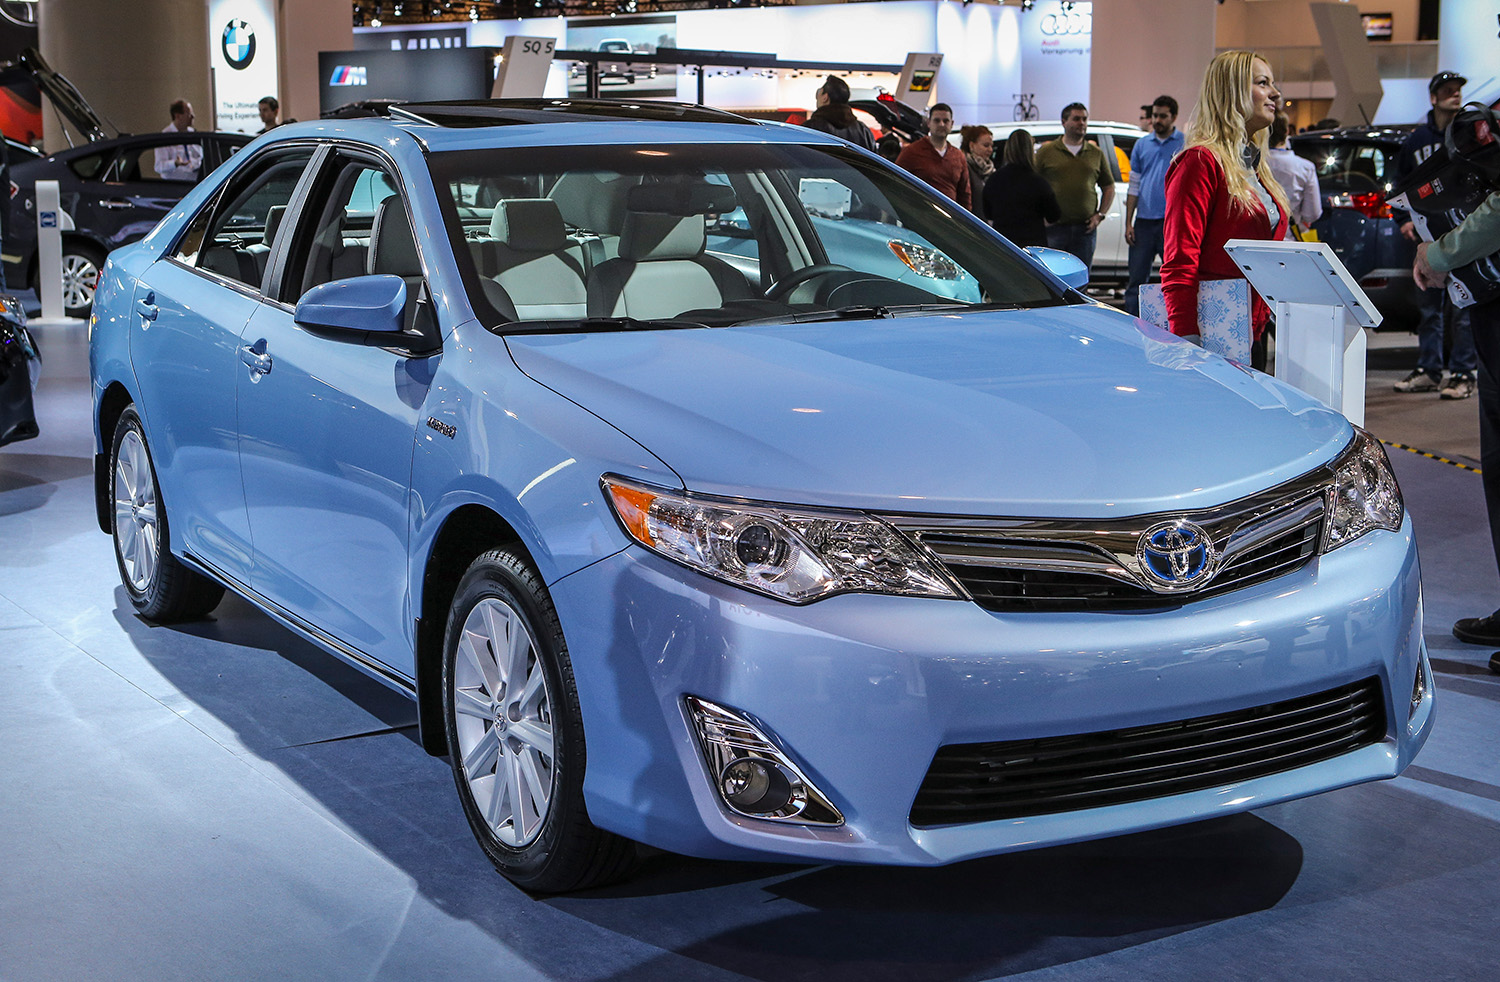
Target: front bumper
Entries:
(861, 691)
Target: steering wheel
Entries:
(782, 288)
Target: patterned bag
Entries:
(1223, 315)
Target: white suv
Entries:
(1111, 254)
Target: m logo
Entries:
(238, 44)
(349, 75)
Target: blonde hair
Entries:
(1218, 125)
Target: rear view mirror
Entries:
(375, 304)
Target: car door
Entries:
(192, 305)
(128, 198)
(327, 431)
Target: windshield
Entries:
(624, 237)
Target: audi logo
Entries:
(1072, 22)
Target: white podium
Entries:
(1320, 315)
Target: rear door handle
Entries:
(255, 358)
(116, 203)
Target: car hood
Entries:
(1071, 412)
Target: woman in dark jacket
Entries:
(978, 145)
(1017, 200)
(834, 116)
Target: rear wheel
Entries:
(515, 732)
(160, 587)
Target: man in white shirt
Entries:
(1297, 176)
(180, 161)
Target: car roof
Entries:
(140, 139)
(1033, 126)
(441, 126)
(1396, 133)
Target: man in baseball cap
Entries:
(1438, 316)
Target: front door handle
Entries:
(116, 203)
(255, 358)
(146, 306)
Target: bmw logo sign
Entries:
(238, 44)
(1176, 555)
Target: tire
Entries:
(161, 588)
(508, 747)
(81, 265)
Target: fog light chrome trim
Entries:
(1420, 687)
(740, 757)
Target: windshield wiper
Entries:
(596, 325)
(853, 313)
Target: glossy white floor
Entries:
(223, 801)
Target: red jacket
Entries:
(1201, 217)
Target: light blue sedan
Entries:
(810, 555)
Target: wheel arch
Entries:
(467, 532)
(112, 403)
(72, 236)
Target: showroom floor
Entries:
(224, 801)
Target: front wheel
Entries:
(515, 732)
(161, 588)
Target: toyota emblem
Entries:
(1176, 555)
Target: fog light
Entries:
(756, 787)
(1419, 688)
(751, 773)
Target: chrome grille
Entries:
(983, 782)
(1012, 565)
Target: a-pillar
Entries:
(130, 60)
(1146, 48)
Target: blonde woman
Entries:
(1220, 188)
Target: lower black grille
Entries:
(982, 782)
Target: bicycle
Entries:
(1025, 107)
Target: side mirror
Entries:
(1063, 265)
(361, 304)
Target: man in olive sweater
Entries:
(1477, 237)
(1083, 181)
(937, 161)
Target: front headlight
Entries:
(792, 554)
(1364, 495)
(925, 261)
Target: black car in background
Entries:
(1356, 172)
(110, 191)
(111, 194)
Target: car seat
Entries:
(540, 269)
(662, 269)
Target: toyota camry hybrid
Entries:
(717, 486)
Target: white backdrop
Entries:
(239, 89)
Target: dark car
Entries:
(1356, 172)
(893, 124)
(111, 194)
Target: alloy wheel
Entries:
(503, 719)
(80, 275)
(136, 529)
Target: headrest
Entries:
(681, 198)
(652, 236)
(392, 248)
(274, 214)
(529, 225)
